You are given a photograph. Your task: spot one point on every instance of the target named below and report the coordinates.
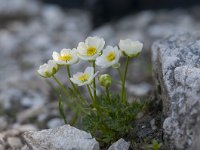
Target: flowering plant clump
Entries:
(106, 116)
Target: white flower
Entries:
(130, 48)
(48, 69)
(66, 57)
(109, 57)
(91, 48)
(86, 77)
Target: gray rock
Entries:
(121, 144)
(62, 138)
(176, 67)
(14, 142)
(25, 148)
(12, 137)
(24, 127)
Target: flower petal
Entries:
(89, 71)
(82, 48)
(92, 77)
(65, 51)
(55, 55)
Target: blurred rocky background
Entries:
(30, 30)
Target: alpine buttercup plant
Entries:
(106, 116)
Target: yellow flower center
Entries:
(65, 57)
(110, 56)
(84, 77)
(91, 51)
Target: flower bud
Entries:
(48, 69)
(130, 48)
(105, 80)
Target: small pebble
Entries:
(55, 122)
(153, 126)
(26, 127)
(143, 126)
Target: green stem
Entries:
(75, 118)
(108, 95)
(91, 96)
(69, 104)
(120, 74)
(95, 105)
(67, 94)
(61, 86)
(94, 83)
(74, 86)
(123, 94)
(61, 110)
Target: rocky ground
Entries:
(30, 31)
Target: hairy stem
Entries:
(94, 82)
(69, 104)
(108, 95)
(67, 94)
(91, 96)
(120, 74)
(75, 118)
(95, 105)
(61, 110)
(123, 93)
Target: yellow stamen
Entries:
(83, 77)
(110, 56)
(65, 57)
(91, 51)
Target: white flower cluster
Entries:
(90, 50)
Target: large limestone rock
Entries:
(62, 138)
(176, 65)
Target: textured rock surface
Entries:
(62, 138)
(12, 139)
(176, 64)
(121, 144)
